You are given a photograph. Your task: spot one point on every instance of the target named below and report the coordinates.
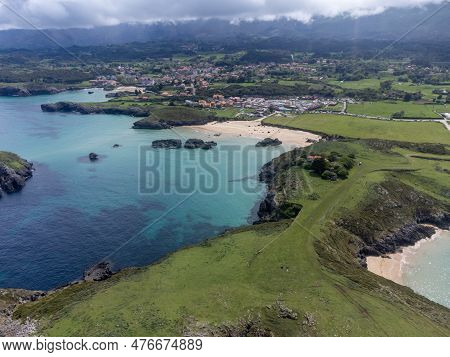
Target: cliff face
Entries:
(13, 177)
(150, 123)
(69, 107)
(395, 216)
(12, 91)
(275, 205)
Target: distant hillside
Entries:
(389, 25)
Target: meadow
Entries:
(387, 109)
(363, 128)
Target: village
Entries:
(188, 81)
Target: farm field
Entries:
(354, 127)
(387, 109)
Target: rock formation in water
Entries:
(199, 144)
(167, 144)
(269, 142)
(14, 171)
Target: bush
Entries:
(319, 165)
(347, 162)
(342, 173)
(334, 156)
(313, 196)
(329, 175)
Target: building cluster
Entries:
(264, 105)
(186, 79)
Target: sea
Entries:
(426, 269)
(131, 207)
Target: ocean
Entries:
(427, 268)
(74, 213)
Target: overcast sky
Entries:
(86, 13)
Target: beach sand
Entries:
(393, 266)
(255, 129)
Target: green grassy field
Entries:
(372, 83)
(240, 283)
(425, 89)
(354, 127)
(386, 109)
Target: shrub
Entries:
(319, 165)
(347, 162)
(329, 175)
(342, 173)
(313, 196)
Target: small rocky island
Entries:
(199, 144)
(189, 144)
(166, 144)
(14, 171)
(269, 142)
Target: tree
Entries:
(385, 86)
(319, 165)
(398, 115)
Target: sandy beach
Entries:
(393, 266)
(255, 129)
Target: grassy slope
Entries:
(354, 127)
(386, 109)
(242, 273)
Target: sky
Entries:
(89, 13)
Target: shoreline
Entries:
(255, 129)
(392, 266)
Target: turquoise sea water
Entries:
(73, 213)
(427, 269)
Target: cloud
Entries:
(88, 13)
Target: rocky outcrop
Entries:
(151, 123)
(70, 107)
(397, 216)
(13, 180)
(12, 91)
(199, 144)
(9, 300)
(275, 205)
(98, 272)
(93, 156)
(269, 142)
(166, 144)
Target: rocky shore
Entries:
(9, 300)
(275, 205)
(396, 217)
(14, 172)
(70, 107)
(158, 124)
(27, 91)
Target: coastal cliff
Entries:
(30, 90)
(14, 171)
(395, 216)
(70, 107)
(152, 118)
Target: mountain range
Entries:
(392, 24)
